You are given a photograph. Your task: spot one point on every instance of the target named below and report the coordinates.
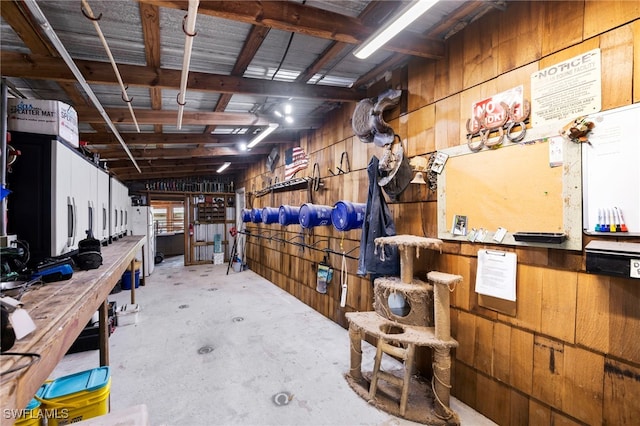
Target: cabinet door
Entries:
(63, 203)
(83, 193)
(102, 189)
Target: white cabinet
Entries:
(142, 224)
(120, 208)
(58, 194)
(64, 208)
(73, 200)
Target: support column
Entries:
(407, 256)
(355, 335)
(441, 314)
(442, 381)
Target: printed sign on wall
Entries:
(491, 109)
(567, 90)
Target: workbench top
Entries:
(60, 311)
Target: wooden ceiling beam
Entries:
(150, 20)
(373, 14)
(20, 20)
(147, 116)
(251, 45)
(186, 162)
(315, 22)
(135, 176)
(40, 67)
(178, 153)
(179, 138)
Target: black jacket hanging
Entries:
(378, 223)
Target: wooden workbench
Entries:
(61, 310)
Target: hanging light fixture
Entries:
(398, 23)
(266, 132)
(223, 167)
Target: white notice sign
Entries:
(567, 90)
(496, 275)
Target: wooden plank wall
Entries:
(570, 355)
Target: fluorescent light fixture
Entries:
(277, 113)
(288, 119)
(243, 146)
(266, 132)
(223, 167)
(398, 23)
(287, 109)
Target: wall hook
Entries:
(184, 30)
(316, 180)
(344, 167)
(125, 92)
(86, 15)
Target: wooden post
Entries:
(407, 256)
(442, 381)
(133, 280)
(355, 335)
(442, 318)
(103, 333)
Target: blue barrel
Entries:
(315, 215)
(246, 215)
(270, 215)
(347, 215)
(256, 215)
(289, 215)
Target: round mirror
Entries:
(398, 304)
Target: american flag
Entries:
(294, 159)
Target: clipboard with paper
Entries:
(496, 274)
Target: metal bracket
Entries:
(344, 167)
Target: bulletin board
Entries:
(514, 187)
(611, 172)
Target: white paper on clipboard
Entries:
(496, 275)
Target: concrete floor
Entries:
(217, 349)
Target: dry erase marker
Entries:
(623, 227)
(612, 226)
(599, 224)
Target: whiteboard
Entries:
(611, 170)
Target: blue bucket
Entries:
(315, 215)
(347, 215)
(289, 215)
(270, 215)
(125, 284)
(256, 216)
(246, 215)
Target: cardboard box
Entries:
(44, 117)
